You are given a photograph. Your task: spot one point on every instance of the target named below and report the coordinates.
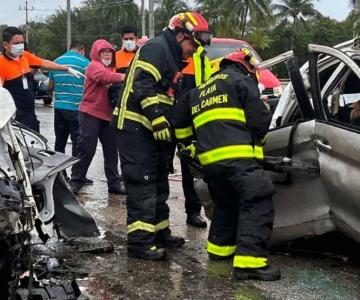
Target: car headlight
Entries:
(277, 91)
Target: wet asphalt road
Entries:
(187, 273)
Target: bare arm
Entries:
(47, 64)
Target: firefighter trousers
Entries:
(144, 165)
(243, 212)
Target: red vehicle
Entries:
(220, 47)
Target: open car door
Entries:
(337, 135)
(291, 158)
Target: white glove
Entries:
(75, 73)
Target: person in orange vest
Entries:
(128, 49)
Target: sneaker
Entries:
(268, 273)
(170, 241)
(148, 254)
(196, 221)
(117, 188)
(75, 186)
(88, 181)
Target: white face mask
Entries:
(17, 50)
(129, 45)
(106, 62)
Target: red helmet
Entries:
(193, 24)
(245, 58)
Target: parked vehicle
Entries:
(312, 150)
(220, 47)
(41, 87)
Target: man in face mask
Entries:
(15, 74)
(129, 47)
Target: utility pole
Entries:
(143, 18)
(151, 19)
(68, 24)
(26, 8)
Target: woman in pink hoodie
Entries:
(94, 115)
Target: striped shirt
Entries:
(68, 90)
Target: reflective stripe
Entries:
(138, 118)
(234, 114)
(226, 152)
(128, 86)
(149, 101)
(220, 250)
(165, 99)
(241, 261)
(192, 19)
(138, 225)
(162, 225)
(183, 133)
(202, 66)
(149, 68)
(258, 152)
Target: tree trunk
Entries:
(244, 17)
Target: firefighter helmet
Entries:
(245, 58)
(194, 24)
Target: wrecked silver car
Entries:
(312, 149)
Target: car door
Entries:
(337, 135)
(301, 201)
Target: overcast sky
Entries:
(11, 15)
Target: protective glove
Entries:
(189, 151)
(75, 73)
(161, 129)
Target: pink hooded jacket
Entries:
(95, 101)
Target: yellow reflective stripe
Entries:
(116, 111)
(128, 86)
(226, 152)
(149, 68)
(197, 66)
(235, 114)
(149, 101)
(165, 99)
(162, 225)
(258, 152)
(192, 19)
(220, 250)
(183, 133)
(241, 261)
(138, 225)
(138, 118)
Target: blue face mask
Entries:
(129, 45)
(17, 49)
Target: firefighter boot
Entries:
(169, 241)
(152, 253)
(268, 273)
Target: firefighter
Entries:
(197, 71)
(230, 121)
(144, 134)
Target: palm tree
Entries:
(249, 9)
(233, 13)
(295, 11)
(166, 9)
